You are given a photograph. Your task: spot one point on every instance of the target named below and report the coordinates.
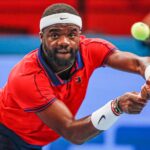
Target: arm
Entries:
(132, 63)
(129, 62)
(59, 118)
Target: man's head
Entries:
(60, 28)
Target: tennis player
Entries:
(45, 89)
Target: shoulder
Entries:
(94, 42)
(25, 71)
(95, 51)
(27, 65)
(30, 89)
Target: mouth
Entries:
(63, 55)
(63, 51)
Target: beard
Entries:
(53, 57)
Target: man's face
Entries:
(60, 43)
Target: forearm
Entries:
(60, 119)
(129, 62)
(79, 131)
(103, 118)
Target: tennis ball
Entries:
(140, 31)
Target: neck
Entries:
(66, 69)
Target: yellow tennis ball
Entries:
(140, 31)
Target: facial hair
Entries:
(52, 58)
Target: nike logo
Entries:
(102, 117)
(61, 18)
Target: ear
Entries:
(41, 36)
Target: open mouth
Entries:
(63, 51)
(62, 54)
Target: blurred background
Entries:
(110, 20)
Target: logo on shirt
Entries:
(102, 117)
(78, 79)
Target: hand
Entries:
(145, 91)
(131, 103)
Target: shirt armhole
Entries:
(110, 52)
(41, 107)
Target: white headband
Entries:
(60, 18)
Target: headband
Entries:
(60, 18)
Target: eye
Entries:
(72, 35)
(54, 36)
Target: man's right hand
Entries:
(131, 102)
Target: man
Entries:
(46, 88)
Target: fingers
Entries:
(148, 82)
(132, 107)
(145, 91)
(139, 100)
(137, 104)
(132, 103)
(136, 98)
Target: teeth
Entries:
(62, 51)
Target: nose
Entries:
(63, 41)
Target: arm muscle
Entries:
(128, 62)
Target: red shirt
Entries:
(32, 86)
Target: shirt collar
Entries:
(53, 77)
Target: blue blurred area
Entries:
(18, 44)
(127, 135)
(22, 44)
(131, 132)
